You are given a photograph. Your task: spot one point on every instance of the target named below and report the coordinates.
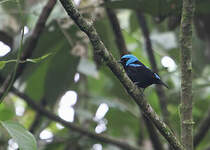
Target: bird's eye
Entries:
(124, 59)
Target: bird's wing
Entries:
(138, 62)
(156, 76)
(143, 76)
(139, 72)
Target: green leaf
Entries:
(60, 74)
(39, 74)
(36, 60)
(24, 138)
(2, 64)
(6, 111)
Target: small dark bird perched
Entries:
(141, 75)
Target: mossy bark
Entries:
(132, 89)
(186, 74)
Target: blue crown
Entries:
(131, 58)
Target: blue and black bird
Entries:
(141, 75)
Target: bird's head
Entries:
(128, 59)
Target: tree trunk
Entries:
(186, 74)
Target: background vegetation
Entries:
(75, 84)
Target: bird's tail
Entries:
(161, 82)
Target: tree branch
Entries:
(38, 118)
(186, 74)
(123, 50)
(132, 89)
(149, 50)
(117, 31)
(202, 129)
(153, 134)
(71, 126)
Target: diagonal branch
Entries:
(71, 126)
(38, 118)
(123, 50)
(132, 89)
(159, 89)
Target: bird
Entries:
(140, 74)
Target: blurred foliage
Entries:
(72, 53)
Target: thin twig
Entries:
(10, 80)
(117, 31)
(149, 50)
